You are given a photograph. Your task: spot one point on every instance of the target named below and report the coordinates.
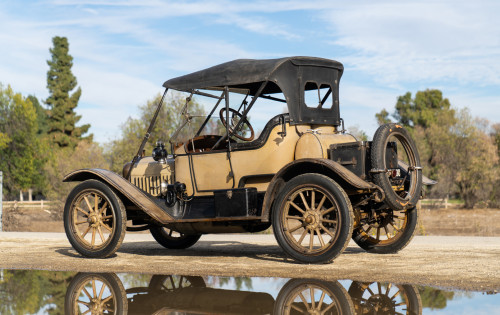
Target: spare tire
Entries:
(403, 190)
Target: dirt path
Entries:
(470, 263)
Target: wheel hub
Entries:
(311, 219)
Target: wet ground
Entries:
(36, 291)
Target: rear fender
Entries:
(127, 189)
(345, 178)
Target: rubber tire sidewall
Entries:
(379, 147)
(345, 210)
(119, 215)
(187, 241)
(401, 242)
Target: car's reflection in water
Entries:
(105, 294)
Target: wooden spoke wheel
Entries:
(171, 239)
(305, 296)
(385, 232)
(94, 219)
(312, 219)
(387, 298)
(95, 294)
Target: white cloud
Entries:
(421, 41)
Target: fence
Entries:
(435, 203)
(34, 205)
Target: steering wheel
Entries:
(234, 118)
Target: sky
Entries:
(124, 50)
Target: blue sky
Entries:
(124, 50)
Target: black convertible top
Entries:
(290, 75)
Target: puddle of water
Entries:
(50, 292)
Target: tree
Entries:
(42, 116)
(122, 150)
(60, 82)
(454, 147)
(20, 149)
(86, 154)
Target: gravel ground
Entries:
(469, 263)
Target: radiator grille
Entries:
(149, 184)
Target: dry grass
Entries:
(478, 222)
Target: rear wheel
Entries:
(94, 219)
(312, 219)
(385, 232)
(171, 239)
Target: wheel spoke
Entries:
(100, 233)
(106, 300)
(327, 231)
(295, 228)
(320, 205)
(96, 206)
(311, 292)
(369, 229)
(378, 233)
(102, 291)
(395, 295)
(93, 236)
(83, 211)
(86, 312)
(299, 309)
(88, 204)
(304, 201)
(107, 217)
(297, 207)
(313, 199)
(311, 240)
(304, 301)
(387, 232)
(320, 237)
(94, 291)
(81, 222)
(82, 302)
(389, 286)
(302, 237)
(327, 210)
(107, 227)
(293, 217)
(395, 227)
(104, 206)
(329, 221)
(87, 293)
(86, 231)
(320, 303)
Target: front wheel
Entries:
(312, 219)
(94, 219)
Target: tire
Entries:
(371, 298)
(296, 297)
(330, 223)
(409, 194)
(390, 232)
(171, 239)
(104, 291)
(93, 207)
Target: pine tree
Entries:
(60, 82)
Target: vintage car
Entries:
(315, 184)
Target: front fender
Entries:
(139, 198)
(323, 166)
